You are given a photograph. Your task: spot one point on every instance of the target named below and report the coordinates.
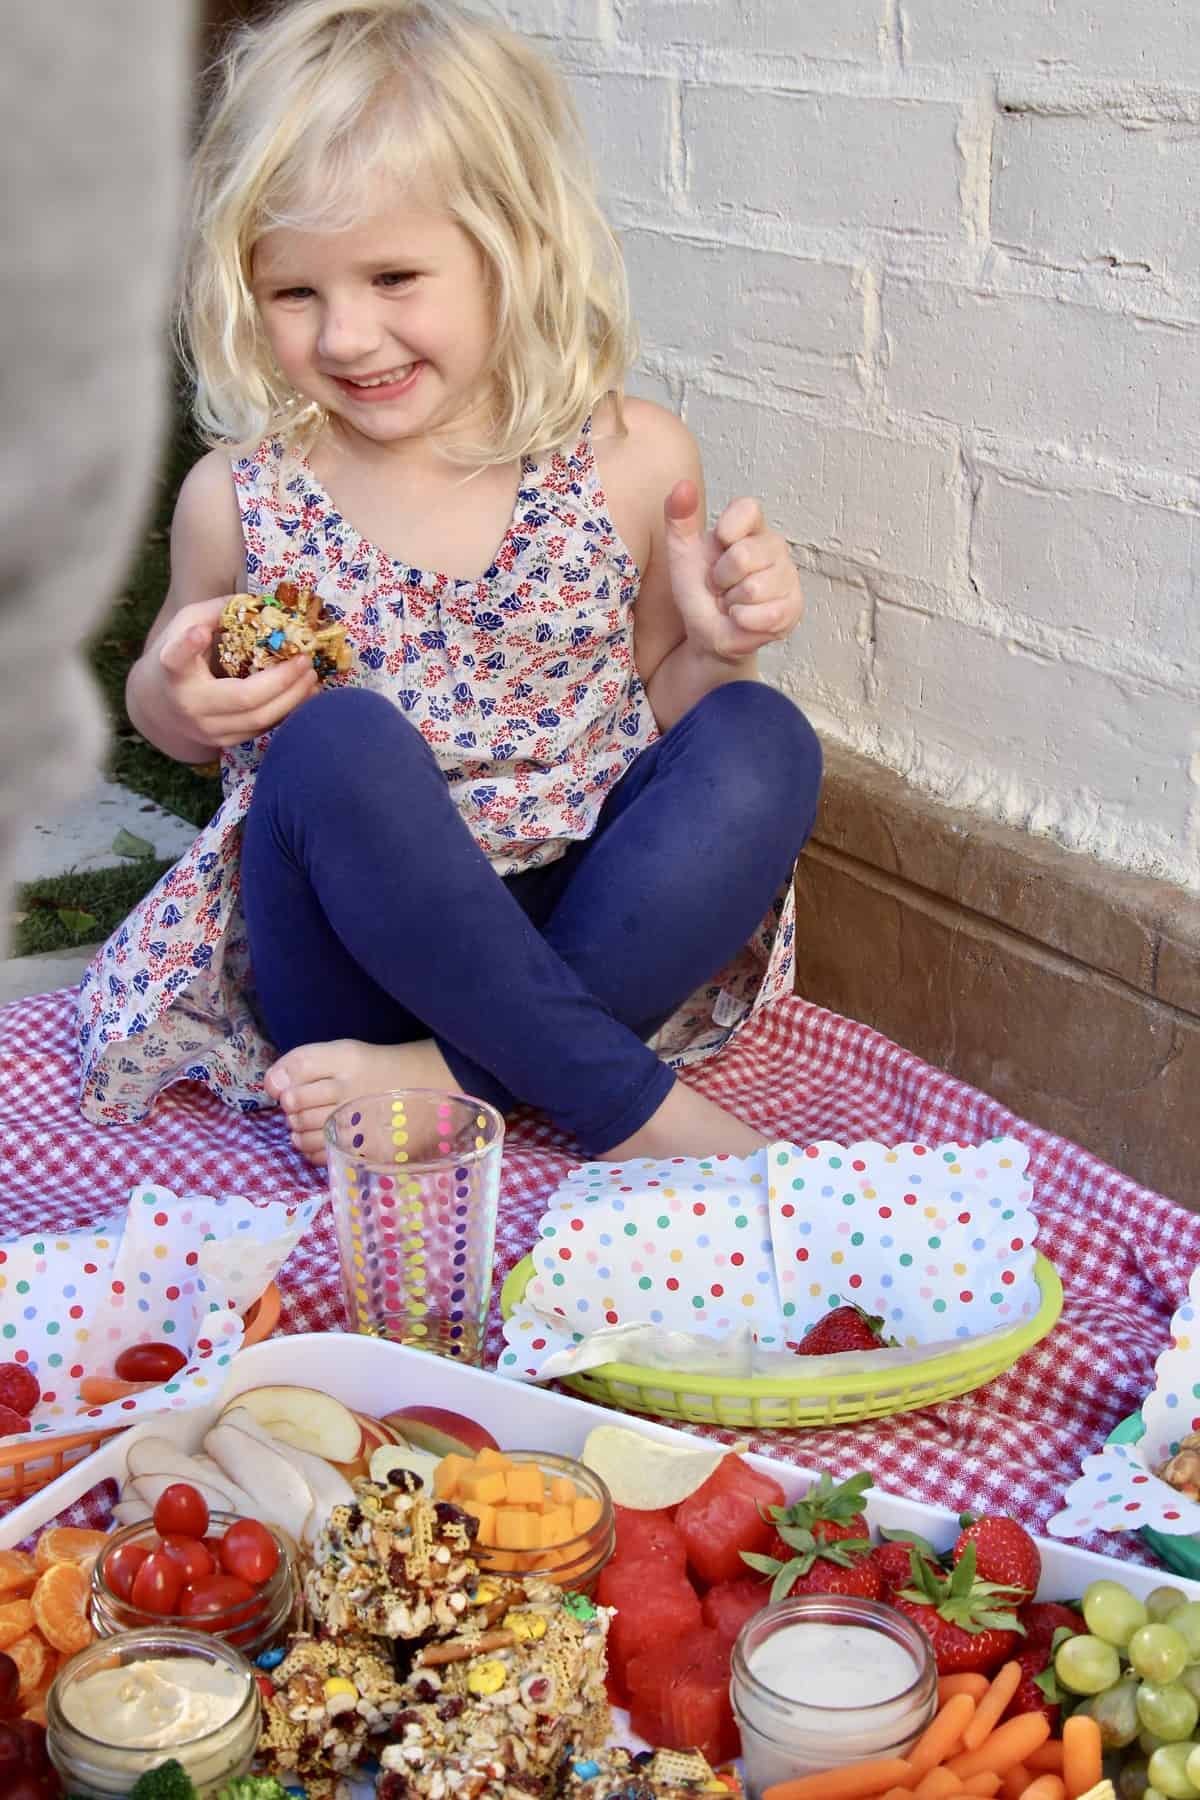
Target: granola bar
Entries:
(619, 1774)
(258, 629)
(323, 1702)
(395, 1564)
(496, 1722)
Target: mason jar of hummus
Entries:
(824, 1679)
(128, 1703)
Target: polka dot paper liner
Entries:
(939, 1241)
(1117, 1489)
(174, 1269)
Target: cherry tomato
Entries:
(212, 1597)
(121, 1567)
(149, 1362)
(193, 1557)
(157, 1584)
(182, 1511)
(212, 1543)
(250, 1552)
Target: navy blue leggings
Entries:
(373, 914)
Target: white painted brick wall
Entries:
(925, 275)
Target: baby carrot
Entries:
(937, 1784)
(1082, 1755)
(1014, 1781)
(1047, 1759)
(992, 1707)
(1010, 1743)
(985, 1785)
(98, 1390)
(1045, 1787)
(853, 1781)
(943, 1735)
(973, 1684)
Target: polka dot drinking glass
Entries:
(415, 1180)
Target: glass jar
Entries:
(577, 1561)
(824, 1679)
(255, 1625)
(103, 1765)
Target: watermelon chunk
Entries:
(642, 1535)
(655, 1604)
(723, 1518)
(681, 1701)
(726, 1607)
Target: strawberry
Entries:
(1004, 1552)
(1042, 1618)
(1037, 1690)
(808, 1566)
(846, 1328)
(894, 1560)
(971, 1624)
(831, 1512)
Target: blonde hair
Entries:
(311, 108)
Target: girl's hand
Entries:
(736, 586)
(222, 710)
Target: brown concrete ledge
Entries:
(1068, 990)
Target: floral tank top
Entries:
(522, 682)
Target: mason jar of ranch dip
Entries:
(825, 1679)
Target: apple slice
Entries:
(131, 1512)
(149, 1489)
(328, 1487)
(374, 1435)
(440, 1432)
(280, 1492)
(422, 1463)
(305, 1418)
(158, 1456)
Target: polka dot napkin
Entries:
(938, 1241)
(1118, 1489)
(178, 1270)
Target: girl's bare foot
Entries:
(313, 1080)
(686, 1124)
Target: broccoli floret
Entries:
(254, 1787)
(170, 1781)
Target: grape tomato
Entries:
(149, 1362)
(158, 1584)
(121, 1566)
(193, 1557)
(214, 1594)
(181, 1511)
(249, 1552)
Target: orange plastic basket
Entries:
(25, 1468)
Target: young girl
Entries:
(550, 800)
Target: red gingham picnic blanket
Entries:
(796, 1072)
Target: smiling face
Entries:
(387, 325)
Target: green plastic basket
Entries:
(798, 1401)
(1179, 1553)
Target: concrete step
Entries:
(22, 976)
(83, 838)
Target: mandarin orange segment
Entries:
(60, 1603)
(34, 1659)
(68, 1544)
(16, 1618)
(18, 1572)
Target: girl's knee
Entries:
(769, 753)
(343, 730)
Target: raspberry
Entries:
(19, 1388)
(11, 1422)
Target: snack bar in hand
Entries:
(257, 630)
(495, 1710)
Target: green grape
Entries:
(1149, 1742)
(1161, 1602)
(1191, 1679)
(1116, 1713)
(1153, 1793)
(1112, 1612)
(1169, 1711)
(1186, 1621)
(1167, 1770)
(1132, 1779)
(1193, 1766)
(1158, 1653)
(1087, 1665)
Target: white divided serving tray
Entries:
(375, 1376)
